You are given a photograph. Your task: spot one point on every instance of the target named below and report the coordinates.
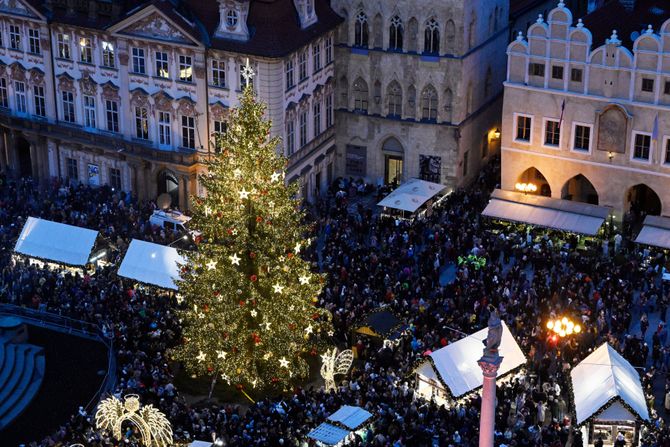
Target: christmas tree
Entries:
(251, 315)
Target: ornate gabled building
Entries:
(586, 114)
(128, 93)
(419, 88)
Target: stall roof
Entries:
(54, 241)
(602, 376)
(328, 434)
(655, 231)
(350, 417)
(457, 364)
(151, 263)
(563, 215)
(410, 195)
(382, 323)
(200, 444)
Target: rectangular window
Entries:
(667, 151)
(4, 97)
(576, 75)
(20, 96)
(188, 132)
(108, 54)
(185, 69)
(290, 137)
(63, 46)
(551, 133)
(523, 127)
(162, 69)
(303, 128)
(329, 50)
(317, 118)
(219, 73)
(220, 128)
(647, 85)
(557, 72)
(40, 101)
(164, 129)
(329, 110)
(112, 112)
(34, 41)
(666, 89)
(89, 111)
(141, 123)
(642, 146)
(85, 50)
(15, 37)
(115, 179)
(536, 69)
(67, 101)
(302, 65)
(72, 169)
(582, 141)
(138, 61)
(316, 53)
(289, 73)
(243, 82)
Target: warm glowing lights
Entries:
(153, 426)
(526, 187)
(563, 327)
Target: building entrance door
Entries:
(393, 169)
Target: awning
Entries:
(602, 376)
(655, 231)
(328, 434)
(558, 214)
(411, 195)
(456, 364)
(350, 417)
(57, 242)
(153, 264)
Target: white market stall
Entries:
(453, 371)
(412, 195)
(55, 244)
(153, 264)
(608, 397)
(340, 426)
(655, 231)
(201, 444)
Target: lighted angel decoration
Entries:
(154, 428)
(334, 364)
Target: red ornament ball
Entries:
(290, 255)
(242, 303)
(252, 255)
(259, 219)
(253, 278)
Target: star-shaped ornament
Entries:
(234, 259)
(221, 354)
(254, 382)
(297, 248)
(253, 313)
(208, 210)
(331, 333)
(291, 308)
(278, 288)
(201, 357)
(237, 173)
(244, 194)
(275, 177)
(224, 377)
(267, 356)
(180, 299)
(283, 362)
(211, 265)
(234, 232)
(267, 325)
(304, 279)
(309, 329)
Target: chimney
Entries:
(628, 4)
(92, 9)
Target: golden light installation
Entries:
(154, 428)
(563, 326)
(334, 364)
(525, 187)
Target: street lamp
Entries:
(563, 327)
(525, 187)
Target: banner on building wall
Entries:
(430, 168)
(93, 175)
(356, 160)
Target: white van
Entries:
(170, 220)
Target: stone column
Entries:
(489, 363)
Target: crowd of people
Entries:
(409, 267)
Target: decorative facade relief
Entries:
(110, 92)
(155, 26)
(66, 83)
(139, 99)
(87, 85)
(186, 107)
(612, 125)
(16, 7)
(218, 111)
(163, 102)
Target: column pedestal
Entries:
(489, 363)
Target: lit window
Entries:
(63, 46)
(108, 54)
(15, 37)
(162, 69)
(185, 69)
(86, 50)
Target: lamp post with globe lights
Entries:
(562, 327)
(526, 187)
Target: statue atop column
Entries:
(494, 336)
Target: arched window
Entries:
(395, 34)
(394, 99)
(360, 95)
(431, 43)
(429, 104)
(361, 30)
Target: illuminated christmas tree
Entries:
(251, 315)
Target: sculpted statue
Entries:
(494, 336)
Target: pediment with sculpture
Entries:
(17, 7)
(155, 26)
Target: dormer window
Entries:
(232, 18)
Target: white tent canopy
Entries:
(456, 364)
(328, 434)
(151, 264)
(558, 214)
(200, 444)
(347, 416)
(411, 195)
(655, 231)
(602, 376)
(57, 242)
(350, 417)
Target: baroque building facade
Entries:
(419, 88)
(129, 93)
(586, 113)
